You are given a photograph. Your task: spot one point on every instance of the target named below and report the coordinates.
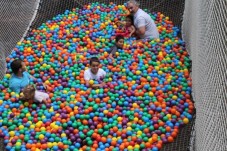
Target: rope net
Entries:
(16, 17)
(205, 32)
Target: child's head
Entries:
(94, 65)
(129, 20)
(29, 92)
(119, 41)
(17, 66)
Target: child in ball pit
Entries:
(128, 28)
(20, 77)
(29, 93)
(119, 42)
(94, 73)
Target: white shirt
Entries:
(40, 96)
(141, 18)
(88, 75)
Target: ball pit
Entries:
(144, 103)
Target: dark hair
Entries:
(94, 59)
(16, 65)
(130, 17)
(118, 37)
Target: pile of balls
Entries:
(145, 101)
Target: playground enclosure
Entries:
(203, 28)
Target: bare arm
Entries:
(94, 86)
(32, 77)
(141, 30)
(120, 23)
(133, 31)
(87, 82)
(111, 56)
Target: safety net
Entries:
(205, 31)
(16, 17)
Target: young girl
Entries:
(128, 27)
(31, 94)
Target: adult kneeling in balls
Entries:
(145, 25)
(94, 73)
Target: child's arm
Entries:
(44, 85)
(95, 86)
(111, 56)
(133, 31)
(91, 85)
(87, 82)
(120, 23)
(112, 52)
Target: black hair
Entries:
(131, 18)
(118, 37)
(94, 59)
(16, 65)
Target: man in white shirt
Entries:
(145, 25)
(94, 73)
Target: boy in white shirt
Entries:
(94, 73)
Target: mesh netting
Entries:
(15, 19)
(171, 8)
(205, 32)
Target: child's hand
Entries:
(21, 97)
(102, 84)
(45, 86)
(113, 60)
(30, 101)
(96, 86)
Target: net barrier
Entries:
(204, 30)
(16, 17)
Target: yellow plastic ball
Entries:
(174, 97)
(105, 111)
(130, 148)
(41, 136)
(91, 82)
(21, 127)
(151, 94)
(134, 105)
(138, 72)
(160, 72)
(11, 133)
(8, 75)
(18, 143)
(136, 119)
(119, 118)
(186, 120)
(63, 135)
(139, 132)
(49, 145)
